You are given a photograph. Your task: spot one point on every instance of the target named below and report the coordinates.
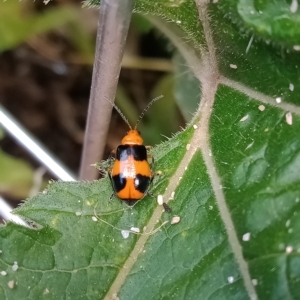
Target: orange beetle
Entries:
(131, 173)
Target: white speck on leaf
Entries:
(210, 207)
(249, 44)
(288, 223)
(230, 279)
(261, 107)
(125, 233)
(135, 229)
(254, 282)
(244, 118)
(296, 47)
(294, 6)
(115, 296)
(15, 267)
(46, 291)
(291, 87)
(246, 237)
(232, 66)
(172, 196)
(178, 22)
(289, 249)
(250, 145)
(3, 273)
(289, 118)
(78, 213)
(195, 126)
(278, 100)
(160, 199)
(94, 218)
(11, 284)
(175, 220)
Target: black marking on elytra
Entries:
(118, 182)
(122, 152)
(138, 152)
(141, 183)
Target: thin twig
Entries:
(113, 24)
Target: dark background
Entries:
(45, 80)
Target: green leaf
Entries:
(187, 90)
(277, 21)
(141, 24)
(233, 175)
(18, 24)
(72, 253)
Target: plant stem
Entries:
(113, 24)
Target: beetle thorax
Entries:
(132, 137)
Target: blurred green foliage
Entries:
(16, 176)
(19, 22)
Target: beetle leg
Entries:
(113, 193)
(105, 166)
(151, 180)
(111, 158)
(149, 156)
(111, 196)
(112, 155)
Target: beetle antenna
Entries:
(120, 113)
(144, 111)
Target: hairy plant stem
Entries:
(113, 24)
